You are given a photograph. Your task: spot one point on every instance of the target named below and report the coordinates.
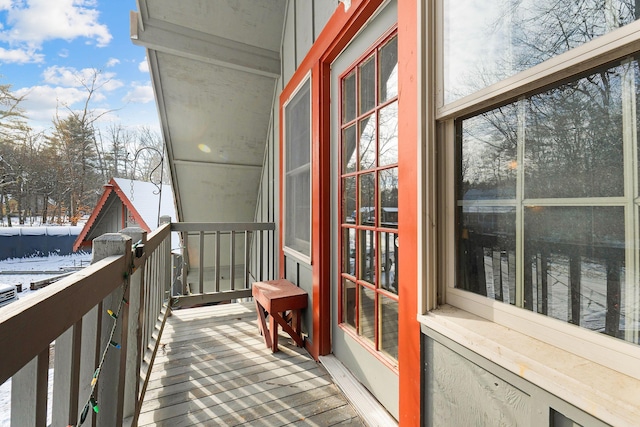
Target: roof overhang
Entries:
(214, 68)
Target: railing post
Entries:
(131, 356)
(110, 386)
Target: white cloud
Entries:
(64, 53)
(30, 23)
(41, 102)
(112, 62)
(140, 94)
(72, 77)
(20, 56)
(143, 66)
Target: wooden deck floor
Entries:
(213, 369)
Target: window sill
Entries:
(600, 391)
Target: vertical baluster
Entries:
(29, 393)
(246, 259)
(66, 376)
(185, 264)
(201, 271)
(261, 256)
(574, 288)
(232, 262)
(217, 262)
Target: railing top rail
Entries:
(222, 226)
(53, 310)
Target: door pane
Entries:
(348, 200)
(388, 197)
(367, 199)
(349, 154)
(366, 325)
(349, 98)
(389, 326)
(366, 255)
(388, 130)
(349, 302)
(389, 70)
(387, 261)
(367, 89)
(367, 142)
(348, 251)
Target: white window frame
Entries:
(285, 172)
(440, 259)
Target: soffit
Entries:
(214, 68)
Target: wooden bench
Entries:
(282, 300)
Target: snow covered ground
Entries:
(19, 270)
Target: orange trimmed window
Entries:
(369, 198)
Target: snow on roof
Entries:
(144, 197)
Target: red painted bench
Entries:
(282, 300)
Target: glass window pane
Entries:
(367, 89)
(349, 98)
(573, 145)
(388, 197)
(298, 128)
(389, 326)
(298, 206)
(486, 43)
(387, 261)
(389, 70)
(367, 142)
(349, 302)
(366, 318)
(486, 248)
(349, 200)
(488, 163)
(388, 130)
(575, 265)
(349, 154)
(367, 196)
(349, 251)
(367, 255)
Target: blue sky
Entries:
(46, 45)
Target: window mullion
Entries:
(632, 228)
(519, 204)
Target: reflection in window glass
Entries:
(582, 151)
(349, 251)
(388, 197)
(575, 262)
(369, 176)
(367, 86)
(486, 42)
(367, 199)
(349, 149)
(349, 98)
(349, 200)
(387, 255)
(349, 302)
(388, 151)
(367, 311)
(561, 245)
(489, 155)
(367, 143)
(389, 321)
(297, 138)
(389, 70)
(367, 255)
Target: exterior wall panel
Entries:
(304, 29)
(322, 11)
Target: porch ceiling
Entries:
(214, 68)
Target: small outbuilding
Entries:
(127, 203)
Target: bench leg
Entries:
(262, 325)
(273, 327)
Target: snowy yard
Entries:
(23, 270)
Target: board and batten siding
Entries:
(303, 23)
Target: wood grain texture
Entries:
(214, 369)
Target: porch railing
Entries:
(94, 334)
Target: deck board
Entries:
(213, 368)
